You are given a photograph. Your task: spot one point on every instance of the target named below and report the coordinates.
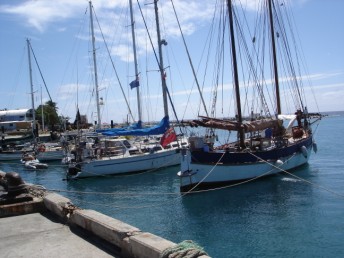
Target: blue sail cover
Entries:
(154, 130)
(135, 126)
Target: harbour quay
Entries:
(38, 223)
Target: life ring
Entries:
(41, 148)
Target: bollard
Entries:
(15, 184)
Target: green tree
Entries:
(51, 119)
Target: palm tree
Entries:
(51, 118)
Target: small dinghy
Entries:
(35, 164)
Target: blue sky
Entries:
(59, 35)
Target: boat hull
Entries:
(10, 156)
(51, 155)
(195, 175)
(124, 165)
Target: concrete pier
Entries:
(42, 235)
(51, 226)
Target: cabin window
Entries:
(266, 143)
(157, 148)
(126, 144)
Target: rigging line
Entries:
(180, 195)
(113, 66)
(290, 73)
(296, 52)
(209, 39)
(184, 193)
(242, 44)
(303, 61)
(190, 61)
(126, 207)
(236, 184)
(260, 23)
(39, 69)
(287, 68)
(153, 205)
(76, 43)
(112, 193)
(240, 183)
(219, 59)
(205, 177)
(157, 60)
(251, 67)
(300, 59)
(300, 178)
(289, 55)
(147, 206)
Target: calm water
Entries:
(279, 216)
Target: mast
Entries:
(42, 109)
(273, 45)
(32, 97)
(235, 72)
(161, 63)
(135, 60)
(95, 68)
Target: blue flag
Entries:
(134, 84)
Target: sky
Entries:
(59, 35)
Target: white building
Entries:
(11, 120)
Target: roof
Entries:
(14, 112)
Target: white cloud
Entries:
(69, 91)
(40, 14)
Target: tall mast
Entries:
(236, 78)
(42, 109)
(31, 86)
(95, 68)
(161, 63)
(135, 60)
(278, 101)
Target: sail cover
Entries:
(154, 130)
(134, 126)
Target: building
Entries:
(15, 120)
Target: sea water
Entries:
(278, 216)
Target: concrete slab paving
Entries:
(38, 235)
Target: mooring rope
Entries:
(301, 179)
(191, 191)
(232, 185)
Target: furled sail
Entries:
(154, 130)
(249, 126)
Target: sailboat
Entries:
(15, 152)
(113, 154)
(265, 144)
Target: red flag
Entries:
(168, 137)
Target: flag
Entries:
(168, 137)
(164, 76)
(134, 84)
